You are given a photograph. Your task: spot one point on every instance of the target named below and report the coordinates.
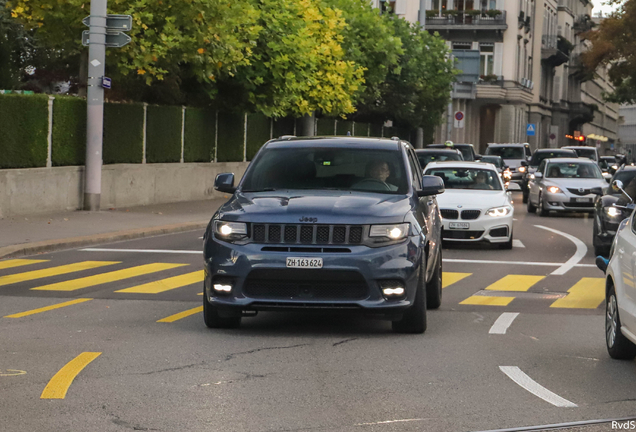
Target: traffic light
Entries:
(580, 138)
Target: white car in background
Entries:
(476, 206)
(620, 291)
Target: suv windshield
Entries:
(587, 153)
(572, 170)
(426, 158)
(380, 171)
(495, 160)
(506, 152)
(538, 157)
(467, 178)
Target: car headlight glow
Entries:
(613, 211)
(553, 189)
(499, 211)
(394, 232)
(230, 229)
(521, 169)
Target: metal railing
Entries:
(549, 41)
(462, 18)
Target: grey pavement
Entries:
(54, 229)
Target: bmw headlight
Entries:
(394, 232)
(230, 230)
(613, 212)
(499, 211)
(554, 189)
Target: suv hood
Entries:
(328, 207)
(513, 163)
(472, 199)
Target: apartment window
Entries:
(439, 5)
(488, 4)
(487, 59)
(462, 45)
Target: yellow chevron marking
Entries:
(515, 283)
(103, 278)
(53, 271)
(449, 278)
(160, 286)
(588, 293)
(18, 263)
(487, 301)
(48, 308)
(180, 315)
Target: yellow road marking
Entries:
(48, 308)
(180, 315)
(166, 284)
(103, 278)
(449, 278)
(61, 381)
(18, 263)
(588, 293)
(200, 294)
(487, 301)
(515, 283)
(12, 372)
(53, 271)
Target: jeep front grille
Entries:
(307, 234)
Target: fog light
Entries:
(392, 289)
(222, 288)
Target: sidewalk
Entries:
(26, 235)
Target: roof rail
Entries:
(286, 136)
(395, 138)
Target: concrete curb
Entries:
(73, 242)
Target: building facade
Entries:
(521, 76)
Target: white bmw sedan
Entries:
(476, 205)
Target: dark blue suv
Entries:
(326, 223)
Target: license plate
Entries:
(459, 225)
(584, 200)
(304, 262)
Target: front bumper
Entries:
(568, 202)
(484, 229)
(348, 280)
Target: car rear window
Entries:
(467, 178)
(587, 153)
(378, 171)
(426, 158)
(507, 152)
(538, 157)
(495, 160)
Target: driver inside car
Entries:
(377, 173)
(481, 182)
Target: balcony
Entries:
(554, 50)
(467, 20)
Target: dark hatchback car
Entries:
(467, 150)
(535, 161)
(426, 156)
(326, 223)
(611, 208)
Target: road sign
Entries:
(114, 22)
(106, 82)
(459, 120)
(459, 116)
(113, 39)
(531, 129)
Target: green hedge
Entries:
(283, 126)
(325, 127)
(69, 131)
(200, 134)
(258, 133)
(343, 127)
(230, 140)
(24, 126)
(163, 134)
(123, 133)
(376, 130)
(361, 129)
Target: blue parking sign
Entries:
(531, 129)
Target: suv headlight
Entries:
(393, 232)
(613, 212)
(499, 211)
(230, 230)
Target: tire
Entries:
(414, 319)
(618, 346)
(599, 249)
(531, 207)
(540, 208)
(213, 320)
(434, 288)
(507, 245)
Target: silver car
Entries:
(564, 184)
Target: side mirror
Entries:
(618, 185)
(225, 183)
(538, 175)
(596, 191)
(431, 185)
(477, 157)
(524, 163)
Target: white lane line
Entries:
(517, 375)
(517, 243)
(547, 264)
(389, 421)
(581, 250)
(503, 322)
(143, 251)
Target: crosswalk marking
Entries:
(48, 308)
(18, 263)
(162, 285)
(518, 244)
(449, 278)
(588, 293)
(103, 278)
(53, 271)
(181, 315)
(515, 283)
(487, 301)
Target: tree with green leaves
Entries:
(613, 46)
